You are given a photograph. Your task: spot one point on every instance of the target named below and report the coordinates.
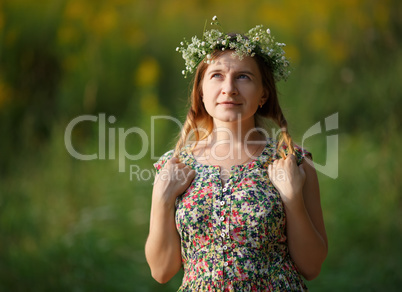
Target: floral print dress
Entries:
(233, 236)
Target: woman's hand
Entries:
(162, 249)
(305, 230)
(173, 179)
(288, 179)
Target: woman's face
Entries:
(232, 89)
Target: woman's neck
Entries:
(237, 133)
(230, 144)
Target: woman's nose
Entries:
(229, 87)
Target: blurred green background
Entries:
(74, 225)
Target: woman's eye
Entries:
(243, 77)
(216, 75)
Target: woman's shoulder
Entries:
(163, 159)
(300, 152)
(183, 155)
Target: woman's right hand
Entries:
(173, 179)
(162, 249)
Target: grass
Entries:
(70, 225)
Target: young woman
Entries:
(238, 210)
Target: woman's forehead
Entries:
(228, 61)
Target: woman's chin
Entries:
(228, 118)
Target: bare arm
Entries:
(162, 248)
(307, 240)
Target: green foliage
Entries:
(71, 225)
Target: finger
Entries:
(302, 171)
(180, 165)
(174, 159)
(185, 178)
(271, 172)
(191, 174)
(279, 163)
(291, 157)
(183, 171)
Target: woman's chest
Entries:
(247, 203)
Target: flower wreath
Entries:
(256, 41)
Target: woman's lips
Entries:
(229, 104)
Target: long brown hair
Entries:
(199, 124)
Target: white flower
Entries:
(214, 18)
(257, 37)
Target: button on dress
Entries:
(233, 236)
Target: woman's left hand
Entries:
(288, 179)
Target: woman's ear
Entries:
(264, 98)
